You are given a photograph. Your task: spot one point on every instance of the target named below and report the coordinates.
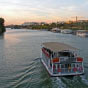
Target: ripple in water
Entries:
(19, 67)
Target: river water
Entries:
(20, 65)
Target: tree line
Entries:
(70, 25)
(2, 27)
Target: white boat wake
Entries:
(84, 80)
(60, 83)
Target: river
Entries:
(20, 65)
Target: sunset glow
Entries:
(19, 11)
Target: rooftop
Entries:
(56, 46)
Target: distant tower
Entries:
(77, 18)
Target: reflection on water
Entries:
(1, 36)
(20, 65)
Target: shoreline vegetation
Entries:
(2, 27)
(79, 25)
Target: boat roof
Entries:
(56, 46)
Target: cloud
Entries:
(42, 9)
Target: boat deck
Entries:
(63, 73)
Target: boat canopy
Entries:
(56, 46)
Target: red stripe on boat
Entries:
(45, 52)
(79, 59)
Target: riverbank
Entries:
(78, 25)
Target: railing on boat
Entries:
(67, 68)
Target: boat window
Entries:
(58, 66)
(71, 55)
(62, 66)
(66, 65)
(66, 54)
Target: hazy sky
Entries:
(19, 11)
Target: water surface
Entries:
(20, 65)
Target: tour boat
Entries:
(61, 60)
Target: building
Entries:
(30, 23)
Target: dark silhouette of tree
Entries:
(2, 27)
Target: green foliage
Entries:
(62, 25)
(2, 27)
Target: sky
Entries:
(20, 11)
